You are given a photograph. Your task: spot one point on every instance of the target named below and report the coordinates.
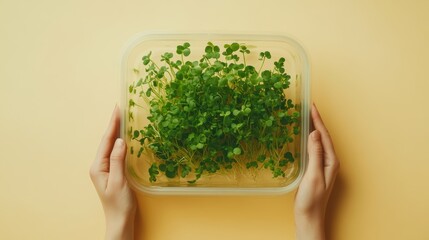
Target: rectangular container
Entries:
(243, 177)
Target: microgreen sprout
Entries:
(214, 113)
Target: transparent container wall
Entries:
(239, 179)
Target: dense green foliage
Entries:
(211, 114)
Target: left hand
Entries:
(107, 175)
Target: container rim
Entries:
(263, 36)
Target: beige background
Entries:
(59, 82)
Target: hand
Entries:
(316, 186)
(107, 175)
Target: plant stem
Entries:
(244, 60)
(208, 61)
(154, 64)
(262, 64)
(172, 71)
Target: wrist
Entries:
(120, 227)
(310, 227)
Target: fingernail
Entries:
(119, 142)
(315, 135)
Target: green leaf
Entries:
(140, 82)
(162, 167)
(253, 164)
(185, 171)
(289, 157)
(136, 134)
(179, 75)
(170, 167)
(235, 46)
(296, 130)
(131, 103)
(153, 172)
(283, 162)
(278, 172)
(236, 151)
(171, 174)
(200, 145)
(296, 114)
(247, 111)
(208, 49)
(140, 152)
(186, 52)
(266, 74)
(179, 49)
(148, 92)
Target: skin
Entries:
(119, 203)
(107, 175)
(316, 186)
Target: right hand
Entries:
(316, 186)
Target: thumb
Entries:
(117, 159)
(315, 153)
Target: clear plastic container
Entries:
(239, 176)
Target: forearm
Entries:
(121, 228)
(310, 228)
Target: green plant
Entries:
(211, 114)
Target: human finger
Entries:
(328, 147)
(331, 163)
(117, 158)
(315, 154)
(101, 163)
